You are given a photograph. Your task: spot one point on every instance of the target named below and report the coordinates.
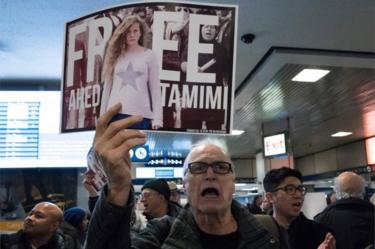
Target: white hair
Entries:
(344, 192)
(212, 141)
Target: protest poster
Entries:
(171, 62)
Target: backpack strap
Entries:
(269, 224)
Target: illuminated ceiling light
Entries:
(237, 132)
(341, 134)
(310, 75)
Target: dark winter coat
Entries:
(352, 221)
(109, 228)
(19, 240)
(306, 234)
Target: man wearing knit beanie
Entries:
(75, 224)
(155, 199)
(75, 216)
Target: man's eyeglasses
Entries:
(291, 189)
(221, 168)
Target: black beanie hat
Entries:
(160, 186)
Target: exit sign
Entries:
(274, 145)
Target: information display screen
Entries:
(19, 129)
(159, 172)
(30, 133)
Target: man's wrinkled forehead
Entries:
(207, 152)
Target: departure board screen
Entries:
(30, 132)
(19, 129)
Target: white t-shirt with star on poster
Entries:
(136, 85)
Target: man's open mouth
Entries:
(210, 192)
(297, 204)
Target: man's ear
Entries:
(55, 225)
(270, 197)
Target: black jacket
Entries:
(306, 234)
(109, 228)
(19, 240)
(352, 221)
(69, 230)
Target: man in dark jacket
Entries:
(351, 218)
(155, 199)
(212, 219)
(285, 191)
(40, 230)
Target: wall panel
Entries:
(325, 161)
(245, 167)
(351, 155)
(306, 165)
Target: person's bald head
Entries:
(54, 211)
(205, 146)
(349, 184)
(43, 220)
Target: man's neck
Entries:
(283, 220)
(37, 241)
(218, 224)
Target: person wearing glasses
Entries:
(155, 198)
(211, 219)
(285, 192)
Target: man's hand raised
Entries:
(112, 143)
(328, 243)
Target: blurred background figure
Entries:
(254, 206)
(10, 206)
(175, 193)
(138, 220)
(266, 206)
(75, 224)
(331, 197)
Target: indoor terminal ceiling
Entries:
(336, 35)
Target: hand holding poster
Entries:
(172, 63)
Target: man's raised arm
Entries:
(110, 223)
(112, 143)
